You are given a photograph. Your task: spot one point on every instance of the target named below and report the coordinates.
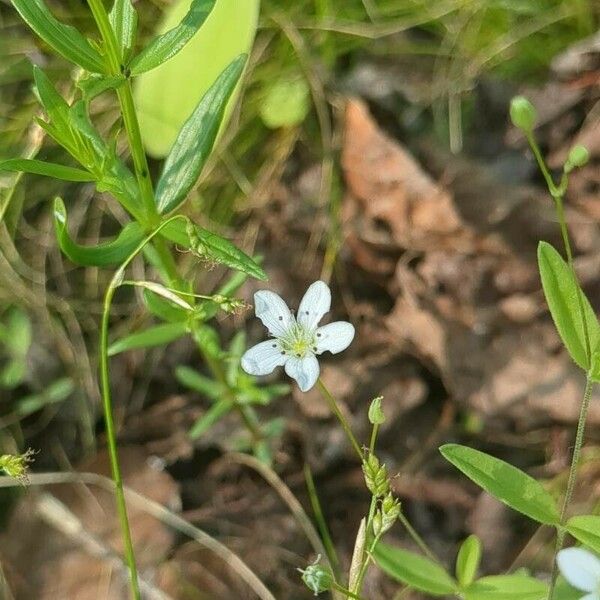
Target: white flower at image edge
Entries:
(582, 570)
(296, 341)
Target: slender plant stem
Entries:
(560, 538)
(365, 564)
(333, 405)
(321, 522)
(417, 539)
(112, 445)
(130, 120)
(108, 412)
(349, 594)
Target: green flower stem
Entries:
(109, 417)
(321, 522)
(333, 405)
(417, 539)
(560, 538)
(349, 594)
(557, 192)
(365, 564)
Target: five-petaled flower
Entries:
(296, 340)
(581, 569)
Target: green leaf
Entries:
(18, 332)
(65, 39)
(467, 561)
(505, 482)
(159, 335)
(163, 103)
(212, 247)
(54, 104)
(95, 84)
(586, 529)
(507, 587)
(124, 20)
(195, 140)
(163, 309)
(163, 291)
(167, 45)
(209, 418)
(208, 341)
(286, 103)
(102, 255)
(414, 570)
(39, 167)
(13, 373)
(190, 378)
(57, 391)
(562, 291)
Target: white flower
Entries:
(296, 340)
(582, 570)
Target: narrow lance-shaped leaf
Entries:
(102, 255)
(40, 167)
(124, 19)
(586, 529)
(468, 559)
(54, 104)
(212, 247)
(507, 587)
(196, 140)
(414, 570)
(65, 39)
(215, 413)
(167, 45)
(159, 335)
(563, 297)
(505, 482)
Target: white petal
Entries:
(273, 312)
(315, 303)
(304, 370)
(334, 337)
(592, 596)
(580, 568)
(263, 358)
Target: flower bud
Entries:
(317, 578)
(578, 157)
(376, 476)
(390, 511)
(376, 416)
(523, 113)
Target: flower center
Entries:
(298, 341)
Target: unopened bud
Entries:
(376, 416)
(387, 515)
(523, 113)
(376, 476)
(578, 157)
(317, 578)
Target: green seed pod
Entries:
(376, 416)
(317, 578)
(578, 157)
(523, 113)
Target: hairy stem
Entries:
(560, 538)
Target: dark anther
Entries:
(318, 335)
(274, 345)
(283, 352)
(281, 318)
